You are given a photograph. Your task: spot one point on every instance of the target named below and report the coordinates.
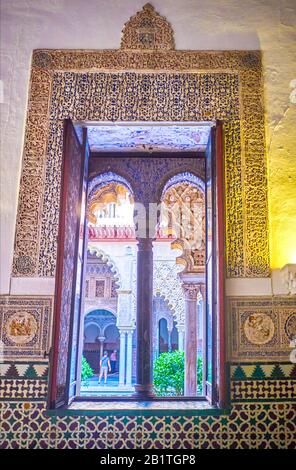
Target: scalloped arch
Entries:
(93, 250)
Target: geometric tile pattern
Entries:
(262, 371)
(32, 389)
(263, 390)
(247, 426)
(263, 382)
(261, 328)
(28, 370)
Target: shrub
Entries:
(168, 376)
(86, 371)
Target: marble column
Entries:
(181, 339)
(101, 340)
(143, 386)
(190, 386)
(122, 357)
(169, 340)
(129, 357)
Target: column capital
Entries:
(125, 330)
(123, 291)
(145, 244)
(190, 290)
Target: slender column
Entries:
(169, 340)
(144, 318)
(181, 340)
(122, 358)
(129, 358)
(101, 339)
(191, 291)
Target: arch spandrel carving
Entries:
(147, 30)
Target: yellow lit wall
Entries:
(280, 72)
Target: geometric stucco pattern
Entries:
(248, 425)
(261, 328)
(163, 86)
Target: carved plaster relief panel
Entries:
(25, 327)
(149, 81)
(261, 328)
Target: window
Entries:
(148, 242)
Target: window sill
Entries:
(139, 408)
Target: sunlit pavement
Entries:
(91, 387)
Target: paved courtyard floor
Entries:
(91, 387)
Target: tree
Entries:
(168, 376)
(86, 371)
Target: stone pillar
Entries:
(129, 358)
(169, 340)
(143, 387)
(101, 340)
(181, 334)
(122, 357)
(190, 290)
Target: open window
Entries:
(103, 263)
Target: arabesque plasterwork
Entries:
(145, 85)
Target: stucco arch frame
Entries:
(161, 75)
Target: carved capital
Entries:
(145, 244)
(191, 291)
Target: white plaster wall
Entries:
(198, 24)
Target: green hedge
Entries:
(168, 374)
(86, 371)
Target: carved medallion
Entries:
(259, 328)
(147, 30)
(21, 327)
(290, 326)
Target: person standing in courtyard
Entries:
(104, 367)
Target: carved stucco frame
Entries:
(247, 240)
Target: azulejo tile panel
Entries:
(31, 389)
(96, 85)
(263, 390)
(261, 328)
(25, 327)
(255, 371)
(248, 425)
(263, 382)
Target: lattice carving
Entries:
(147, 30)
(171, 291)
(184, 211)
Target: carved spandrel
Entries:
(147, 176)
